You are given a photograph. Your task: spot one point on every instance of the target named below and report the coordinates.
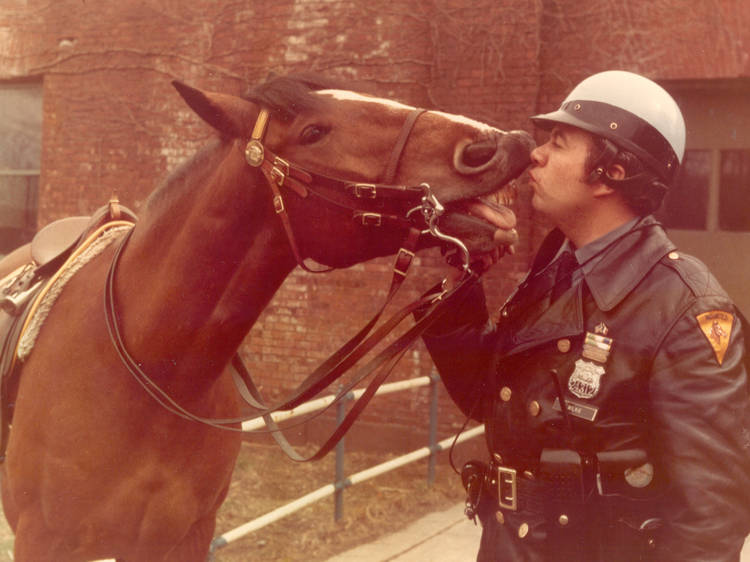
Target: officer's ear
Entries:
(602, 185)
(616, 172)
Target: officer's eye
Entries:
(313, 133)
(557, 140)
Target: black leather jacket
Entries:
(645, 354)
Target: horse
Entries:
(99, 467)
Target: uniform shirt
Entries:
(638, 367)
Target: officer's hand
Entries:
(482, 262)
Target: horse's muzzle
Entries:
(504, 149)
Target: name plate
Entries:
(582, 411)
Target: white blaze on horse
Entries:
(99, 465)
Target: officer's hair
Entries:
(641, 189)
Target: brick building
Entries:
(88, 111)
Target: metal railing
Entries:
(341, 481)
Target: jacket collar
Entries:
(613, 273)
(622, 264)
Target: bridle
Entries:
(279, 173)
(419, 200)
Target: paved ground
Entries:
(447, 536)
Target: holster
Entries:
(474, 477)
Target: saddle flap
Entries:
(56, 237)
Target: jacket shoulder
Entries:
(693, 274)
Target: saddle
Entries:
(23, 275)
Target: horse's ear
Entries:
(230, 115)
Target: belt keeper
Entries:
(370, 219)
(403, 261)
(364, 190)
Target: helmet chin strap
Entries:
(603, 162)
(653, 191)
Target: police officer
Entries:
(612, 382)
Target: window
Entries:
(20, 157)
(712, 191)
(734, 193)
(685, 204)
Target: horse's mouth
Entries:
(493, 208)
(481, 215)
(485, 221)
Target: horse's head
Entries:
(335, 133)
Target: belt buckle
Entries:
(507, 488)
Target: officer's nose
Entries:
(538, 155)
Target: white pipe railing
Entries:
(325, 401)
(344, 482)
(281, 512)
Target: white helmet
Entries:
(633, 112)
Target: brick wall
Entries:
(113, 124)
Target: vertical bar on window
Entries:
(712, 217)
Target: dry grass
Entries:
(265, 479)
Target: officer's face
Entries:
(558, 175)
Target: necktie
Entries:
(549, 283)
(564, 265)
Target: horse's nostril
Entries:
(478, 154)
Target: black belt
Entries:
(514, 488)
(560, 477)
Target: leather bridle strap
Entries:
(278, 206)
(398, 148)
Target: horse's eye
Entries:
(313, 133)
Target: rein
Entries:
(280, 173)
(430, 307)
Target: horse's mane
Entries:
(288, 96)
(166, 192)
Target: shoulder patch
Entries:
(716, 325)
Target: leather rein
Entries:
(280, 173)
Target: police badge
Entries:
(584, 382)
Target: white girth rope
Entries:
(88, 252)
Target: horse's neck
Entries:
(202, 265)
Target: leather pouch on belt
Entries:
(624, 473)
(562, 471)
